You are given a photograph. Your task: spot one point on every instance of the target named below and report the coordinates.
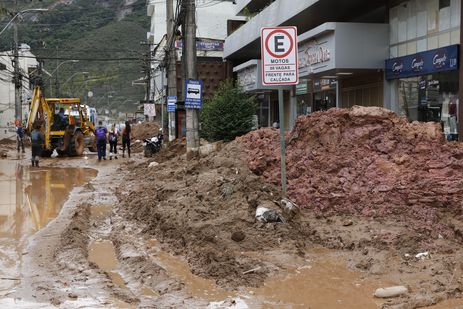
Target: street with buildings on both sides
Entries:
(361, 208)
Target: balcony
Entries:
(245, 7)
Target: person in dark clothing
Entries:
(20, 138)
(112, 136)
(37, 140)
(100, 134)
(126, 132)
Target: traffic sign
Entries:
(193, 94)
(279, 56)
(171, 104)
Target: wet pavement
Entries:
(30, 198)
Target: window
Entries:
(444, 4)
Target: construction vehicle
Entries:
(70, 132)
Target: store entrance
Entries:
(324, 100)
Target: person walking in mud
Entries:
(20, 137)
(37, 140)
(112, 137)
(126, 132)
(100, 134)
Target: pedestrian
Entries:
(100, 134)
(126, 132)
(20, 137)
(37, 140)
(112, 137)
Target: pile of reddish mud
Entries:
(369, 162)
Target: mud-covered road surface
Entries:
(77, 233)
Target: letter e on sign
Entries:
(279, 56)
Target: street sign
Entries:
(171, 104)
(279, 56)
(193, 94)
(149, 110)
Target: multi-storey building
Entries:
(399, 54)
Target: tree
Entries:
(228, 114)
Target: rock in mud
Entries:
(392, 291)
(267, 215)
(238, 236)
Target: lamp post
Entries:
(56, 76)
(17, 74)
(72, 76)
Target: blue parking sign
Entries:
(193, 94)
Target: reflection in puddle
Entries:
(325, 283)
(30, 199)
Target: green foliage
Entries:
(87, 29)
(228, 114)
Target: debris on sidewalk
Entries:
(267, 215)
(392, 291)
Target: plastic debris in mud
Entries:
(267, 215)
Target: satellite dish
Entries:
(90, 94)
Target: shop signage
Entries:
(203, 45)
(432, 61)
(247, 78)
(316, 55)
(279, 56)
(302, 87)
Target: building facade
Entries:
(398, 54)
(27, 64)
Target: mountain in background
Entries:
(94, 31)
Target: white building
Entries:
(27, 63)
(211, 20)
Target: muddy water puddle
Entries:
(30, 199)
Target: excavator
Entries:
(69, 133)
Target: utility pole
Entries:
(171, 64)
(192, 115)
(17, 74)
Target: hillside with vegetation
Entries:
(104, 35)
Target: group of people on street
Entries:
(101, 134)
(103, 137)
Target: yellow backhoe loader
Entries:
(64, 123)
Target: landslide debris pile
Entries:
(366, 161)
(205, 209)
(144, 130)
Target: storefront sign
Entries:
(316, 55)
(203, 45)
(302, 87)
(436, 60)
(247, 78)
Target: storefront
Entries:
(344, 64)
(249, 78)
(428, 86)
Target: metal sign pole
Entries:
(282, 141)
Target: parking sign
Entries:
(279, 56)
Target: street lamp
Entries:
(56, 78)
(70, 78)
(20, 13)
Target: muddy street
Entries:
(171, 232)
